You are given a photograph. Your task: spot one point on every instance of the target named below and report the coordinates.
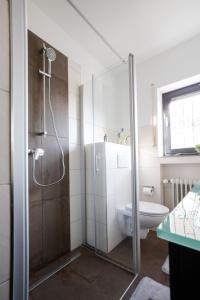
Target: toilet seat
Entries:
(150, 208)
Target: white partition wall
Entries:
(112, 191)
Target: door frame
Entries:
(19, 151)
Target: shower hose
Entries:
(58, 142)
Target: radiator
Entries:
(179, 188)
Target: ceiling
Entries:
(143, 27)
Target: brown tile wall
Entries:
(49, 206)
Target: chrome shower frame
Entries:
(134, 173)
(19, 152)
(134, 164)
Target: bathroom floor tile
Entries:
(88, 277)
(153, 254)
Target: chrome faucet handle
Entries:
(37, 153)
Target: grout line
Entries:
(48, 134)
(5, 281)
(75, 221)
(4, 90)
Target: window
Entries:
(181, 120)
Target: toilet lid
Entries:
(150, 208)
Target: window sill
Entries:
(193, 159)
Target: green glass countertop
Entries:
(182, 225)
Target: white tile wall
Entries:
(88, 133)
(5, 137)
(151, 171)
(101, 209)
(101, 236)
(75, 182)
(181, 171)
(145, 136)
(90, 207)
(74, 157)
(148, 157)
(150, 176)
(4, 42)
(74, 106)
(74, 131)
(4, 152)
(90, 232)
(74, 77)
(75, 208)
(76, 234)
(4, 290)
(4, 232)
(112, 190)
(149, 165)
(89, 182)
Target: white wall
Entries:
(171, 66)
(44, 27)
(111, 105)
(112, 184)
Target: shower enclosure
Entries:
(49, 206)
(111, 171)
(49, 211)
(110, 165)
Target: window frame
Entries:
(167, 98)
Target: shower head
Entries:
(51, 54)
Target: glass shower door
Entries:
(114, 198)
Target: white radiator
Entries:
(179, 188)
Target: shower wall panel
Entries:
(49, 210)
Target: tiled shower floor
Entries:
(90, 277)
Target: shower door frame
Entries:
(134, 171)
(134, 165)
(19, 287)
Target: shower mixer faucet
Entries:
(37, 153)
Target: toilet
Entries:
(150, 214)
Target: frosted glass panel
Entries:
(185, 121)
(109, 186)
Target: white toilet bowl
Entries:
(150, 215)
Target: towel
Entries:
(149, 289)
(165, 266)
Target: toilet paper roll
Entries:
(148, 190)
